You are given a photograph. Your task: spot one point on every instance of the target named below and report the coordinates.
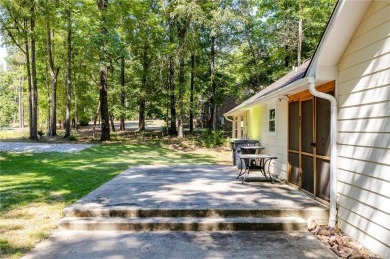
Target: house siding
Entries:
(275, 145)
(364, 132)
(255, 116)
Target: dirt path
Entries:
(27, 147)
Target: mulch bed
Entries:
(341, 244)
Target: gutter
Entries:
(333, 150)
(226, 117)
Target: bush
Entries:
(84, 122)
(72, 137)
(213, 139)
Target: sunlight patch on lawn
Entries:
(21, 228)
(36, 187)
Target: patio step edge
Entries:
(316, 213)
(182, 224)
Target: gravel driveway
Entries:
(27, 147)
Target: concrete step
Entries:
(182, 223)
(319, 214)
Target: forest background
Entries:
(72, 62)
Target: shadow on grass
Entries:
(27, 180)
(54, 177)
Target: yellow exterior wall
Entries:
(275, 144)
(255, 118)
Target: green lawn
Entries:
(34, 188)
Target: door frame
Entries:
(301, 97)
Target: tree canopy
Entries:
(78, 61)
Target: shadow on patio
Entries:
(194, 191)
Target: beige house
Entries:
(328, 122)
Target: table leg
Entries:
(243, 166)
(262, 167)
(269, 172)
(246, 171)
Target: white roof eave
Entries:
(344, 21)
(289, 89)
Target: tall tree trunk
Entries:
(182, 30)
(68, 76)
(123, 95)
(141, 114)
(286, 58)
(48, 98)
(112, 121)
(181, 91)
(20, 99)
(172, 103)
(95, 119)
(29, 80)
(213, 106)
(105, 123)
(53, 76)
(145, 66)
(105, 135)
(192, 93)
(76, 118)
(34, 88)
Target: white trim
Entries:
(272, 106)
(294, 87)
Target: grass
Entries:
(36, 187)
(13, 133)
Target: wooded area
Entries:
(71, 62)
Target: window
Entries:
(272, 119)
(242, 126)
(235, 127)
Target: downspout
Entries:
(227, 118)
(333, 150)
(232, 121)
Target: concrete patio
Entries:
(192, 197)
(151, 201)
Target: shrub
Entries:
(72, 137)
(84, 122)
(213, 139)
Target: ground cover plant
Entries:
(35, 187)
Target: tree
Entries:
(18, 23)
(105, 125)
(142, 99)
(123, 94)
(53, 73)
(171, 59)
(183, 21)
(172, 103)
(219, 20)
(192, 92)
(10, 93)
(34, 86)
(68, 70)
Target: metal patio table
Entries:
(255, 162)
